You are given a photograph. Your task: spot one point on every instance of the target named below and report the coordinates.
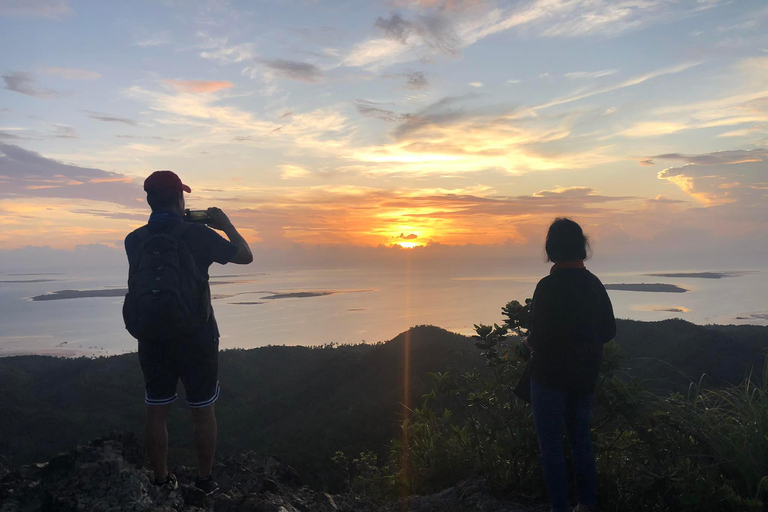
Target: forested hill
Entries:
(304, 404)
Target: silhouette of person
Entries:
(571, 319)
(193, 359)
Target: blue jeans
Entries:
(553, 412)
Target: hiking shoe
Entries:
(207, 485)
(170, 482)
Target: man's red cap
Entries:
(165, 182)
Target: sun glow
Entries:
(409, 245)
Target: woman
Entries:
(571, 320)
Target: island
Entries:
(81, 294)
(296, 295)
(704, 275)
(643, 287)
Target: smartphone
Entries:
(199, 216)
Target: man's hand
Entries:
(219, 219)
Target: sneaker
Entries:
(170, 482)
(207, 485)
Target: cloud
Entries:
(662, 199)
(591, 74)
(736, 177)
(435, 31)
(34, 8)
(218, 49)
(447, 30)
(29, 174)
(72, 74)
(201, 86)
(412, 236)
(637, 80)
(107, 118)
(455, 136)
(24, 83)
(146, 39)
(647, 161)
(64, 132)
(293, 172)
(11, 135)
(368, 109)
(301, 71)
(476, 84)
(416, 80)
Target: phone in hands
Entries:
(197, 216)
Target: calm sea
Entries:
(364, 306)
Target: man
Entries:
(193, 358)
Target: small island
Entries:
(10, 281)
(704, 275)
(296, 295)
(643, 287)
(81, 294)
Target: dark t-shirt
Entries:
(571, 319)
(206, 247)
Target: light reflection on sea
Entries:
(367, 306)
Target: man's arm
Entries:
(220, 221)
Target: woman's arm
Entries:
(541, 321)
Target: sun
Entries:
(409, 245)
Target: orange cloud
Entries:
(197, 86)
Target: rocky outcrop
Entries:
(106, 476)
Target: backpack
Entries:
(167, 295)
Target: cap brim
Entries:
(186, 189)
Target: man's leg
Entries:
(157, 439)
(205, 438)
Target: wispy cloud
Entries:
(219, 49)
(631, 82)
(147, 39)
(30, 174)
(294, 70)
(107, 118)
(448, 31)
(25, 83)
(591, 74)
(201, 86)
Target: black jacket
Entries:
(571, 319)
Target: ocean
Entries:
(316, 307)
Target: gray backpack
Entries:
(167, 295)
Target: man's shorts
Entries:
(194, 360)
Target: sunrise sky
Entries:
(375, 123)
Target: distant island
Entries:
(643, 287)
(704, 275)
(29, 280)
(120, 292)
(80, 294)
(297, 295)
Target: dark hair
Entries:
(158, 201)
(566, 241)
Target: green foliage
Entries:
(706, 450)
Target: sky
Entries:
(446, 127)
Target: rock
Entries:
(194, 497)
(106, 475)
